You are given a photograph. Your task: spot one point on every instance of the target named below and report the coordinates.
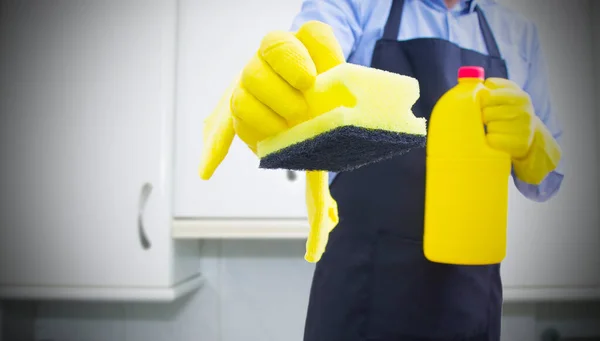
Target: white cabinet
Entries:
(217, 38)
(86, 146)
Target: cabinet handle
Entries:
(144, 195)
(291, 175)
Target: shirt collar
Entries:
(464, 6)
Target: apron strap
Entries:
(392, 27)
(488, 36)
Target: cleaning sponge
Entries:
(299, 106)
(358, 115)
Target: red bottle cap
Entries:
(471, 72)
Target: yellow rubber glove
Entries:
(269, 98)
(322, 214)
(217, 135)
(513, 127)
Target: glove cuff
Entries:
(543, 156)
(322, 214)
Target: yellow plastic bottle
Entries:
(466, 198)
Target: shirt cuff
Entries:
(542, 192)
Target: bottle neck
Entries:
(469, 80)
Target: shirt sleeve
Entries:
(537, 88)
(344, 16)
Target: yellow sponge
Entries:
(358, 115)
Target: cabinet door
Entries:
(87, 108)
(216, 39)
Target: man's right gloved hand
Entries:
(268, 99)
(269, 96)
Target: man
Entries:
(373, 282)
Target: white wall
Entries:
(595, 14)
(257, 290)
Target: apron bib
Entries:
(373, 282)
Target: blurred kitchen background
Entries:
(108, 234)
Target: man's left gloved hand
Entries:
(512, 126)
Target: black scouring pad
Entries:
(342, 149)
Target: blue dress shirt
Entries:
(358, 24)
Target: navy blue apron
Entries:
(373, 282)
